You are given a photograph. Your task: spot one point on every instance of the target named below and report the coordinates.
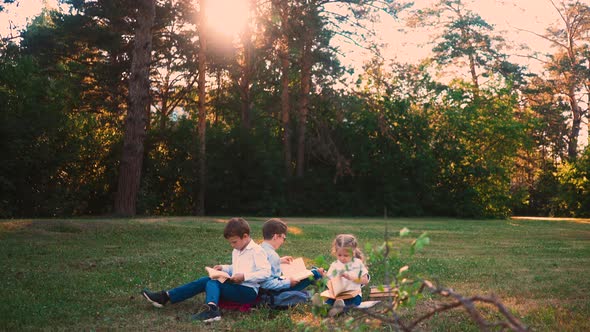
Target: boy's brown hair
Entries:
(273, 226)
(236, 227)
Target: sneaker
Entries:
(337, 308)
(158, 299)
(211, 314)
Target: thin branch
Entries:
(437, 310)
(542, 36)
(468, 303)
(396, 320)
(515, 324)
(559, 12)
(532, 57)
(345, 18)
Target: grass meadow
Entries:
(86, 274)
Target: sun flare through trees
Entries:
(227, 17)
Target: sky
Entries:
(16, 15)
(507, 16)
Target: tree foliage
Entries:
(273, 105)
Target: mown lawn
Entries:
(86, 274)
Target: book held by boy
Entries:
(217, 275)
(295, 270)
(340, 288)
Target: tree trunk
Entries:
(202, 68)
(574, 20)
(164, 108)
(474, 78)
(472, 70)
(245, 79)
(285, 98)
(306, 63)
(572, 147)
(137, 113)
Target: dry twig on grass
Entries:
(509, 322)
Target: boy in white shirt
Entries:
(249, 268)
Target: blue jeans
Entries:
(214, 290)
(352, 302)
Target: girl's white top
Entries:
(355, 269)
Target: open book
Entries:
(340, 288)
(217, 275)
(296, 270)
(382, 292)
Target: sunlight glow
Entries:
(228, 17)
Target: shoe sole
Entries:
(337, 308)
(154, 303)
(213, 319)
(335, 312)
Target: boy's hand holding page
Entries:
(217, 275)
(293, 282)
(286, 260)
(296, 270)
(237, 278)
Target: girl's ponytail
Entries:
(359, 254)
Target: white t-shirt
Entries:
(355, 268)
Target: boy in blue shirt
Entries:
(249, 267)
(274, 232)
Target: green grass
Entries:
(86, 274)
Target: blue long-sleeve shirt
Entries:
(274, 282)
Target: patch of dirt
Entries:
(12, 226)
(152, 220)
(308, 319)
(574, 220)
(295, 230)
(56, 226)
(166, 219)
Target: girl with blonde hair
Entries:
(351, 270)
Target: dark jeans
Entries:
(352, 302)
(214, 290)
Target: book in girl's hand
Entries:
(295, 270)
(340, 288)
(217, 275)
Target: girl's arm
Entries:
(360, 276)
(363, 280)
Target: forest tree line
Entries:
(271, 123)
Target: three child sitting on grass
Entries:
(255, 267)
